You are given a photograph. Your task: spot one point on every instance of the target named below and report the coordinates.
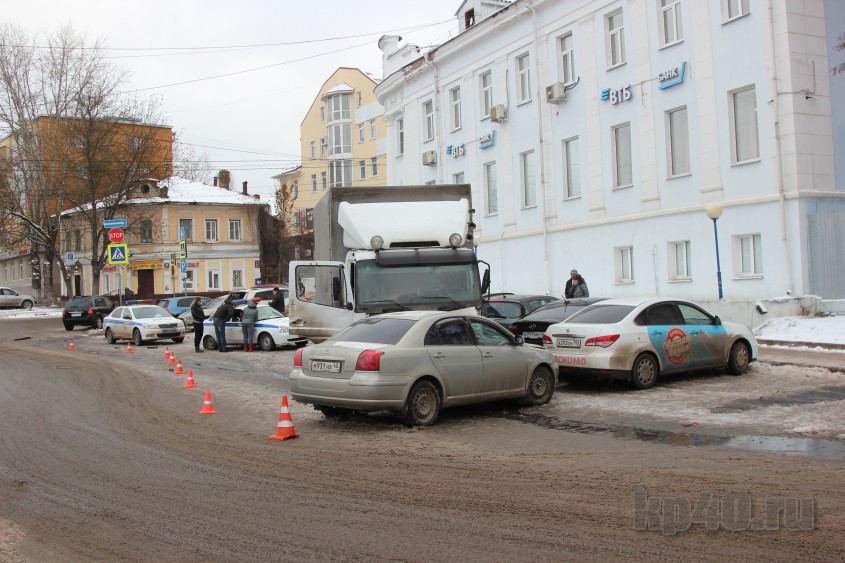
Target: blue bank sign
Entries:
(672, 76)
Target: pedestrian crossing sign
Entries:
(118, 254)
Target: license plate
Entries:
(568, 343)
(533, 335)
(76, 314)
(330, 367)
(170, 331)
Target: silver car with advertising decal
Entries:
(641, 339)
(414, 363)
(142, 323)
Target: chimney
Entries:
(215, 181)
(256, 197)
(225, 179)
(245, 193)
(163, 191)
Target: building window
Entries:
(490, 188)
(362, 169)
(340, 173)
(622, 165)
(296, 188)
(104, 284)
(373, 129)
(680, 264)
(748, 255)
(313, 183)
(339, 108)
(77, 240)
(360, 133)
(213, 279)
(323, 146)
(400, 137)
(744, 140)
(211, 230)
(458, 178)
(671, 30)
(374, 166)
(529, 179)
(486, 87)
(186, 226)
(624, 264)
(188, 281)
(322, 114)
(234, 229)
(567, 59)
(428, 124)
(313, 150)
(678, 129)
(323, 180)
(146, 230)
(237, 279)
(523, 70)
(455, 101)
(615, 39)
(572, 167)
(340, 138)
(733, 9)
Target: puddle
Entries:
(822, 394)
(808, 447)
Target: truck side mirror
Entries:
(485, 281)
(335, 289)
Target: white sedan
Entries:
(639, 339)
(415, 362)
(142, 323)
(271, 330)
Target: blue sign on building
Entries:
(114, 224)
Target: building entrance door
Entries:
(146, 284)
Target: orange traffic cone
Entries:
(179, 370)
(71, 346)
(166, 353)
(206, 405)
(190, 383)
(172, 361)
(129, 349)
(284, 429)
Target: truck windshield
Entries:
(416, 286)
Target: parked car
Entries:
(11, 298)
(265, 293)
(416, 362)
(533, 326)
(179, 304)
(142, 323)
(505, 308)
(208, 308)
(640, 339)
(271, 330)
(87, 311)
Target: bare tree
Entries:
(188, 164)
(279, 236)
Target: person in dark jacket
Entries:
(579, 287)
(197, 316)
(221, 316)
(567, 292)
(250, 317)
(278, 301)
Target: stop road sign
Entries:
(116, 236)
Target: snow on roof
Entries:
(340, 88)
(181, 190)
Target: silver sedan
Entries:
(416, 362)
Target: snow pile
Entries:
(821, 330)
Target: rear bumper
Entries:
(370, 395)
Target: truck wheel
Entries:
(209, 342)
(422, 405)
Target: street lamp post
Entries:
(714, 212)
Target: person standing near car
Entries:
(567, 292)
(198, 317)
(248, 320)
(221, 316)
(278, 301)
(579, 287)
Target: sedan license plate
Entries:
(169, 331)
(533, 335)
(568, 343)
(331, 367)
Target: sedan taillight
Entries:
(297, 358)
(547, 340)
(603, 341)
(369, 360)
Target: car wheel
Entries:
(136, 338)
(110, 337)
(68, 326)
(422, 405)
(739, 358)
(265, 342)
(645, 371)
(98, 322)
(209, 342)
(334, 412)
(541, 386)
(26, 304)
(179, 340)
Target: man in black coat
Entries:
(567, 292)
(278, 301)
(221, 316)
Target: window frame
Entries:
(238, 236)
(212, 279)
(671, 161)
(490, 195)
(374, 166)
(567, 167)
(455, 114)
(756, 255)
(615, 156)
(743, 9)
(361, 135)
(485, 88)
(664, 8)
(373, 129)
(623, 258)
(566, 58)
(211, 225)
(733, 100)
(523, 73)
(362, 169)
(528, 183)
(679, 270)
(428, 120)
(615, 40)
(400, 137)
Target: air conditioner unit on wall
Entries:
(555, 93)
(498, 113)
(429, 158)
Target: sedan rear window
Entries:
(377, 331)
(501, 309)
(600, 314)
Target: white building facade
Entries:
(596, 134)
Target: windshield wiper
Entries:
(402, 307)
(457, 304)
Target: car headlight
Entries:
(283, 329)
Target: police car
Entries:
(142, 323)
(271, 329)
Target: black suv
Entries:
(87, 311)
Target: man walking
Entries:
(221, 316)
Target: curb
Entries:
(800, 344)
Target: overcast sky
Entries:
(246, 122)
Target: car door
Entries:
(457, 360)
(126, 324)
(669, 336)
(234, 334)
(709, 338)
(505, 369)
(6, 297)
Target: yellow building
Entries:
(343, 142)
(220, 226)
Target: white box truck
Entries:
(386, 249)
